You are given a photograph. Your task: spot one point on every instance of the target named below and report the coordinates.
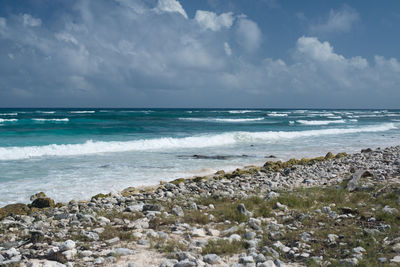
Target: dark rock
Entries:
(57, 256)
(152, 207)
(41, 203)
(367, 150)
(36, 236)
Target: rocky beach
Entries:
(334, 210)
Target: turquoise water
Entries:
(76, 153)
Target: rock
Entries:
(396, 247)
(57, 256)
(396, 259)
(305, 236)
(123, 251)
(332, 238)
(367, 150)
(99, 260)
(91, 235)
(113, 240)
(246, 259)
(268, 263)
(242, 210)
(152, 207)
(143, 242)
(103, 220)
(359, 250)
(250, 235)
(177, 210)
(356, 177)
(255, 223)
(185, 263)
(168, 263)
(135, 208)
(213, 232)
(14, 209)
(198, 232)
(132, 264)
(37, 195)
(67, 245)
(272, 195)
(390, 210)
(211, 258)
(44, 263)
(234, 237)
(280, 206)
(12, 252)
(69, 254)
(382, 260)
(42, 202)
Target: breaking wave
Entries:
(201, 141)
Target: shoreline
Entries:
(215, 211)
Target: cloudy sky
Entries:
(200, 53)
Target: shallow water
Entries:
(76, 153)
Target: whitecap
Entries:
(305, 122)
(82, 111)
(201, 141)
(242, 111)
(222, 119)
(8, 120)
(56, 120)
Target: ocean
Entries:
(77, 153)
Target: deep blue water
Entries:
(75, 153)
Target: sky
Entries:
(200, 53)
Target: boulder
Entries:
(42, 202)
(14, 209)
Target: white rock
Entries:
(396, 259)
(69, 254)
(198, 232)
(234, 237)
(67, 245)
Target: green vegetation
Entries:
(223, 247)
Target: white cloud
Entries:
(338, 21)
(248, 34)
(66, 37)
(30, 21)
(210, 20)
(323, 52)
(227, 49)
(170, 6)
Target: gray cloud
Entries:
(125, 53)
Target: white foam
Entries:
(274, 114)
(222, 120)
(353, 120)
(82, 111)
(242, 111)
(8, 120)
(202, 141)
(334, 117)
(40, 119)
(46, 112)
(305, 122)
(8, 114)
